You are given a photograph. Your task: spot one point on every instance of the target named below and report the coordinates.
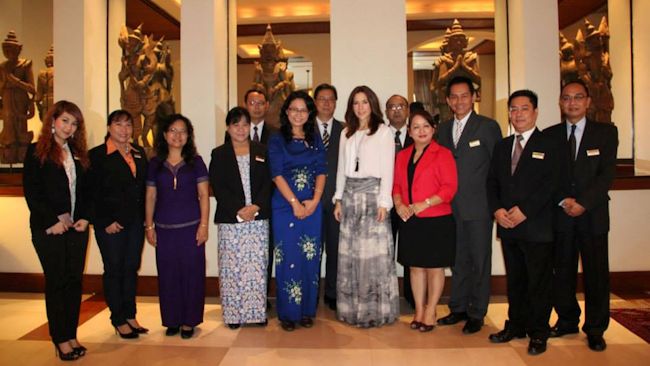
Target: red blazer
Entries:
(435, 174)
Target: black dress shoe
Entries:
(557, 331)
(70, 356)
(234, 325)
(288, 326)
(596, 343)
(506, 335)
(139, 330)
(306, 322)
(330, 302)
(187, 333)
(425, 328)
(172, 331)
(80, 351)
(452, 318)
(130, 335)
(472, 326)
(536, 346)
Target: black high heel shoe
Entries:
(139, 330)
(130, 335)
(80, 351)
(70, 356)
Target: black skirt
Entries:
(427, 242)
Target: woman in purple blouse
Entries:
(176, 218)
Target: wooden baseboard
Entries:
(620, 282)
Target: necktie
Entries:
(516, 154)
(256, 137)
(326, 136)
(572, 143)
(457, 131)
(398, 142)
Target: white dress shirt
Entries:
(260, 127)
(580, 130)
(376, 159)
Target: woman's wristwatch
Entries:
(428, 202)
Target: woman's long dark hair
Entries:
(310, 125)
(376, 116)
(48, 149)
(160, 144)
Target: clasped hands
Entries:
(509, 219)
(65, 223)
(405, 212)
(572, 208)
(304, 209)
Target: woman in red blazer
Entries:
(424, 185)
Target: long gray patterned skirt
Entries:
(366, 288)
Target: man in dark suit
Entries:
(520, 187)
(397, 112)
(471, 138)
(257, 105)
(330, 129)
(588, 152)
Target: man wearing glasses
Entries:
(325, 97)
(257, 106)
(397, 112)
(588, 153)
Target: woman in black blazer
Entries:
(241, 182)
(118, 171)
(54, 181)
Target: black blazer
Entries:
(267, 131)
(47, 191)
(227, 187)
(473, 155)
(332, 164)
(531, 187)
(589, 178)
(117, 195)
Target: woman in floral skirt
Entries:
(298, 167)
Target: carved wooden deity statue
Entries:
(145, 79)
(45, 85)
(16, 101)
(454, 61)
(272, 76)
(588, 60)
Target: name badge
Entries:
(538, 155)
(137, 156)
(475, 143)
(260, 159)
(593, 152)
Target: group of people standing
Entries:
(352, 190)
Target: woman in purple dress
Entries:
(176, 219)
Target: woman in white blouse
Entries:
(367, 293)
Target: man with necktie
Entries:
(325, 97)
(521, 186)
(588, 152)
(471, 139)
(397, 112)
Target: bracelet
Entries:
(428, 202)
(292, 200)
(149, 227)
(203, 225)
(318, 190)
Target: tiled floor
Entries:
(24, 341)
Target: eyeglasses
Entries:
(568, 98)
(396, 107)
(254, 103)
(177, 132)
(298, 111)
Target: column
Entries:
(641, 49)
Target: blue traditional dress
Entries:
(297, 242)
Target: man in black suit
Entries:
(471, 138)
(397, 112)
(520, 186)
(588, 152)
(257, 105)
(330, 129)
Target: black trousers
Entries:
(406, 280)
(331, 229)
(529, 273)
(470, 281)
(62, 258)
(593, 249)
(121, 254)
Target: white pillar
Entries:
(641, 26)
(116, 19)
(501, 64)
(80, 59)
(534, 63)
(368, 47)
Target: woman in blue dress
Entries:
(298, 167)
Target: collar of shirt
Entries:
(580, 128)
(526, 136)
(111, 147)
(260, 127)
(462, 121)
(329, 122)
